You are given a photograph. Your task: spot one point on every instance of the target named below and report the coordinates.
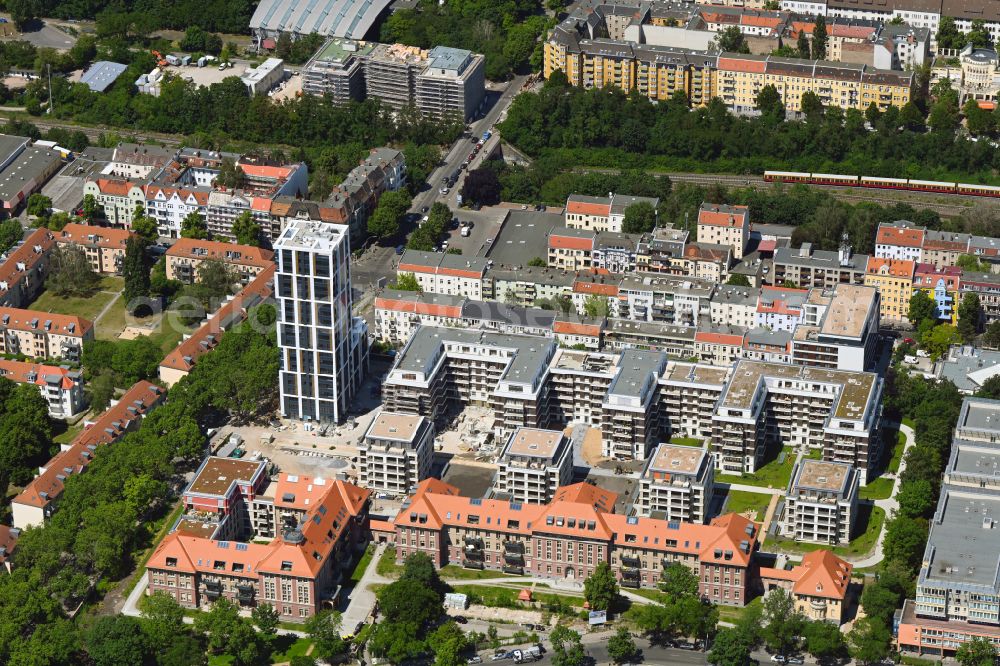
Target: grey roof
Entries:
(963, 547)
(10, 144)
(822, 259)
(969, 367)
(729, 293)
(573, 232)
(634, 369)
(651, 329)
(507, 314)
(535, 275)
(446, 57)
(523, 236)
(619, 202)
(777, 230)
(765, 336)
(422, 297)
(981, 416)
(985, 242)
(331, 18)
(974, 461)
(28, 166)
(102, 74)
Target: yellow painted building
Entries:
(894, 280)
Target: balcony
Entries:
(513, 547)
(474, 542)
(514, 558)
(631, 562)
(630, 577)
(213, 589)
(245, 594)
(512, 569)
(473, 564)
(474, 553)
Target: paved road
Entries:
(362, 597)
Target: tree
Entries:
(769, 103)
(639, 218)
(596, 306)
(819, 38)
(11, 234)
(948, 36)
(600, 589)
(567, 648)
(246, 229)
(410, 601)
(90, 207)
(406, 282)
(537, 262)
(978, 120)
(678, 582)
(23, 12)
(324, 629)
(397, 641)
(216, 277)
(164, 616)
(922, 307)
(39, 205)
(385, 220)
(230, 175)
(812, 105)
(869, 640)
(910, 117)
(448, 642)
(970, 314)
(802, 44)
(738, 279)
(70, 273)
(990, 389)
(939, 339)
(144, 225)
(266, 617)
(905, 541)
(731, 40)
(992, 336)
(916, 499)
(116, 640)
(782, 622)
(977, 652)
(731, 647)
(419, 568)
(971, 263)
(193, 226)
(944, 117)
(823, 640)
(481, 187)
(136, 273)
(621, 647)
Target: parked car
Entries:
(500, 655)
(779, 659)
(460, 619)
(475, 660)
(687, 645)
(796, 660)
(400, 249)
(465, 232)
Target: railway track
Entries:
(94, 133)
(963, 202)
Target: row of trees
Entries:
(608, 128)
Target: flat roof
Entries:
(523, 236)
(848, 311)
(581, 361)
(963, 546)
(311, 236)
(695, 373)
(217, 474)
(9, 144)
(339, 50)
(635, 367)
(100, 75)
(975, 458)
(676, 459)
(27, 166)
(393, 425)
(980, 414)
(821, 475)
(534, 443)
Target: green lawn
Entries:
(67, 435)
(87, 307)
(740, 501)
(455, 572)
(880, 488)
(687, 441)
(506, 597)
(897, 452)
(363, 563)
(735, 613)
(861, 545)
(815, 454)
(387, 564)
(771, 475)
(287, 646)
(907, 421)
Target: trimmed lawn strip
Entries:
(506, 597)
(880, 488)
(687, 441)
(87, 307)
(862, 545)
(739, 501)
(897, 452)
(387, 564)
(455, 572)
(771, 475)
(363, 563)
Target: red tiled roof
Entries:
(230, 253)
(109, 427)
(35, 247)
(895, 267)
(265, 171)
(586, 208)
(203, 340)
(115, 188)
(599, 288)
(718, 338)
(8, 543)
(741, 65)
(900, 236)
(21, 320)
(575, 328)
(87, 234)
(418, 307)
(557, 242)
(719, 218)
(24, 372)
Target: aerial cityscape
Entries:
(576, 332)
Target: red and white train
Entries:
(882, 183)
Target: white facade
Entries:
(677, 484)
(169, 207)
(323, 347)
(397, 453)
(118, 203)
(533, 464)
(821, 503)
(803, 7)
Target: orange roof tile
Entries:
(575, 328)
(718, 338)
(824, 575)
(599, 288)
(115, 188)
(901, 236)
(265, 171)
(24, 372)
(902, 268)
(557, 242)
(87, 234)
(35, 247)
(586, 493)
(230, 253)
(717, 218)
(585, 208)
(741, 65)
(192, 553)
(35, 320)
(418, 307)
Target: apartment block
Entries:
(336, 71)
(573, 330)
(805, 267)
(43, 335)
(780, 308)
(39, 499)
(443, 273)
(900, 240)
(820, 586)
(571, 249)
(299, 572)
(987, 287)
(942, 286)
(721, 224)
(169, 204)
(720, 345)
(526, 285)
(656, 251)
(677, 484)
(734, 305)
(61, 387)
(958, 594)
(708, 261)
(186, 255)
(894, 280)
(821, 503)
(534, 463)
(601, 213)
(577, 384)
(219, 498)
(839, 329)
(104, 246)
(23, 269)
(567, 538)
(324, 348)
(397, 453)
(670, 299)
(837, 411)
(117, 199)
(631, 424)
(688, 394)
